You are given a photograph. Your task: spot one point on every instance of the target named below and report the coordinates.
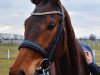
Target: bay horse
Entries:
(50, 46)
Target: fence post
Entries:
(8, 53)
(98, 44)
(94, 52)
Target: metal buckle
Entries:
(43, 67)
(45, 64)
(42, 72)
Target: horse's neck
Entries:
(60, 67)
(63, 65)
(72, 62)
(53, 69)
(83, 64)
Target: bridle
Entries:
(43, 70)
(47, 55)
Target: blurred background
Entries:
(85, 17)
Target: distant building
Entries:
(10, 38)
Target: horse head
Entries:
(49, 45)
(43, 41)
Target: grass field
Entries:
(5, 63)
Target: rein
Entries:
(47, 55)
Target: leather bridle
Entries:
(49, 54)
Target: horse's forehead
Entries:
(34, 24)
(43, 8)
(37, 20)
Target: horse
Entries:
(49, 46)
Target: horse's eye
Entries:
(51, 25)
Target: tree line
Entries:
(91, 37)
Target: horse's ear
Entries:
(38, 1)
(35, 1)
(55, 1)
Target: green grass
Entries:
(13, 49)
(5, 63)
(8, 46)
(97, 57)
(94, 45)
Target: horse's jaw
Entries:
(27, 61)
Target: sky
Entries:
(85, 16)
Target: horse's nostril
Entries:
(21, 73)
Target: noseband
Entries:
(49, 54)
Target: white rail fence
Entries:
(7, 54)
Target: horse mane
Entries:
(74, 58)
(72, 49)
